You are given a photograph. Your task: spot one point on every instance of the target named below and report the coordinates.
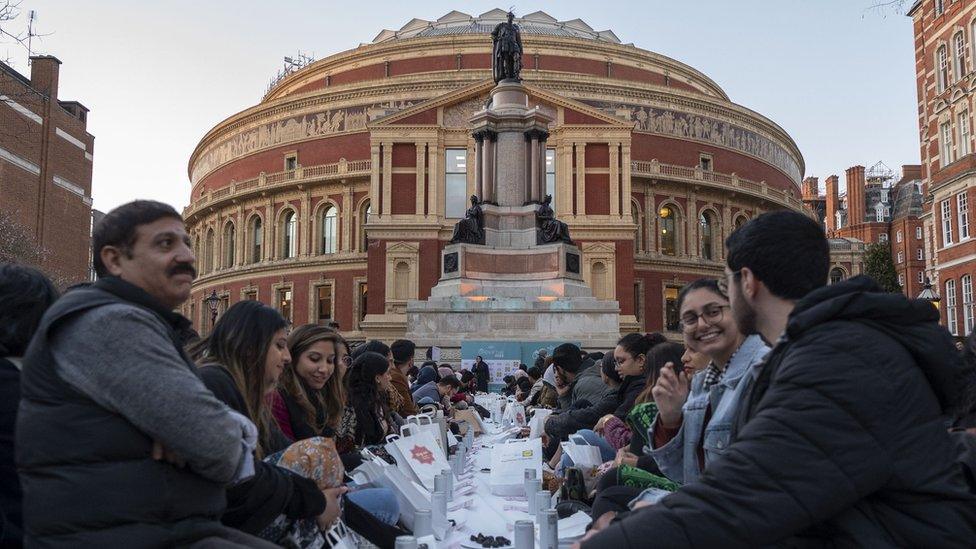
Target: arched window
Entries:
(289, 235)
(208, 252)
(836, 275)
(942, 66)
(667, 225)
(257, 238)
(401, 281)
(197, 251)
(959, 55)
(707, 225)
(364, 212)
(601, 285)
(740, 221)
(639, 236)
(230, 244)
(330, 235)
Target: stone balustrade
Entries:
(283, 180)
(727, 182)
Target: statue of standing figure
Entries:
(471, 229)
(506, 51)
(550, 229)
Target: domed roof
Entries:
(455, 22)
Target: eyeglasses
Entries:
(711, 315)
(723, 282)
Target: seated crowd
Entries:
(790, 413)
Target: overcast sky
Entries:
(157, 75)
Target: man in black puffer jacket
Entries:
(842, 440)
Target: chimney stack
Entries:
(855, 195)
(44, 75)
(911, 171)
(811, 188)
(832, 204)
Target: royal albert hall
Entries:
(333, 197)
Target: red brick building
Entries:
(46, 168)
(876, 208)
(332, 198)
(945, 60)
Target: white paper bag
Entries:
(509, 462)
(408, 496)
(538, 422)
(421, 454)
(425, 422)
(586, 457)
(514, 414)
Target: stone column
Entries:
(479, 180)
(489, 175)
(387, 177)
(347, 213)
(614, 178)
(421, 196)
(533, 186)
(542, 166)
(580, 179)
(374, 177)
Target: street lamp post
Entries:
(928, 294)
(212, 301)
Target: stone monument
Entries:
(511, 271)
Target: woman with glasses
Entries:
(695, 414)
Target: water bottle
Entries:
(532, 486)
(543, 502)
(524, 534)
(438, 503)
(422, 524)
(548, 529)
(406, 542)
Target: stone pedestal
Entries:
(511, 288)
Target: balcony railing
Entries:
(272, 181)
(696, 175)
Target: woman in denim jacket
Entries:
(692, 429)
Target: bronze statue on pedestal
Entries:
(506, 51)
(549, 229)
(471, 229)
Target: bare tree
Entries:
(18, 245)
(889, 7)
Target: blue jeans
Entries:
(607, 452)
(379, 502)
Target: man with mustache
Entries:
(841, 440)
(119, 443)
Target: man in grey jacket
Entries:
(579, 386)
(119, 443)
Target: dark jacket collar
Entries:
(134, 294)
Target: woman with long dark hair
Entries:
(366, 419)
(241, 362)
(692, 410)
(311, 395)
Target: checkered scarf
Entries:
(713, 374)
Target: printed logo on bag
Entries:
(422, 454)
(526, 453)
(519, 417)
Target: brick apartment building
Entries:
(876, 208)
(944, 63)
(46, 168)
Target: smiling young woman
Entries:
(688, 431)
